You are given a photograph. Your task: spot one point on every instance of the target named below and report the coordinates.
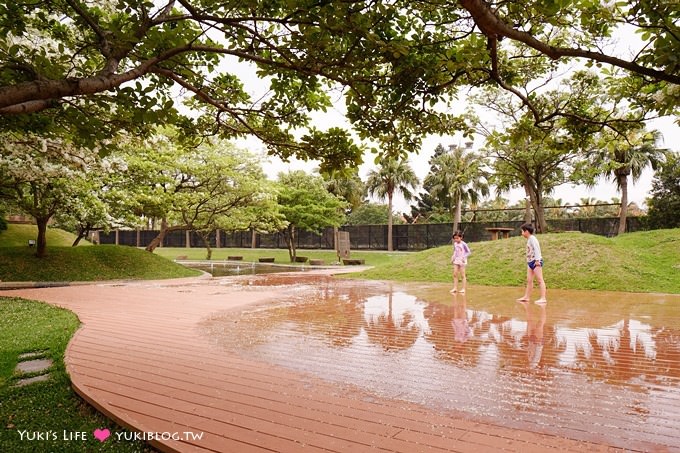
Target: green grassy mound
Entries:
(19, 235)
(103, 262)
(646, 261)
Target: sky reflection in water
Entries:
(590, 362)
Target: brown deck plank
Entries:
(141, 359)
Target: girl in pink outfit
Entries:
(461, 251)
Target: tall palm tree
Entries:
(629, 157)
(460, 178)
(390, 177)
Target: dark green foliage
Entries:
(664, 206)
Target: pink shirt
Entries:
(460, 253)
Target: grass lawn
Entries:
(82, 263)
(49, 407)
(19, 235)
(103, 262)
(371, 257)
(646, 261)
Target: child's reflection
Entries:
(461, 330)
(535, 333)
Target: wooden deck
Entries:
(141, 359)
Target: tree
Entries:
(68, 64)
(538, 158)
(45, 176)
(198, 187)
(532, 159)
(425, 204)
(664, 204)
(620, 159)
(392, 176)
(306, 204)
(91, 212)
(101, 67)
(345, 184)
(369, 214)
(566, 30)
(458, 177)
(101, 203)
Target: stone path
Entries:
(34, 364)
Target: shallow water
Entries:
(218, 269)
(589, 365)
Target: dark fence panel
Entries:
(374, 237)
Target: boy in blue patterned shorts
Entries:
(534, 265)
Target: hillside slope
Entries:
(647, 261)
(65, 263)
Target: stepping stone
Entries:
(31, 355)
(31, 380)
(33, 366)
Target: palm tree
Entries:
(390, 177)
(460, 178)
(629, 157)
(344, 184)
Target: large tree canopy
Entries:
(100, 66)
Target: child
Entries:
(459, 260)
(534, 265)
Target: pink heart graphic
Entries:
(102, 434)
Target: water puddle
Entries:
(589, 365)
(217, 269)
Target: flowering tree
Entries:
(46, 176)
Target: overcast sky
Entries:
(570, 194)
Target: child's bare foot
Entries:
(462, 291)
(541, 301)
(523, 299)
(454, 290)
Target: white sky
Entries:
(570, 194)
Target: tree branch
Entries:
(491, 25)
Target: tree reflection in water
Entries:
(390, 328)
(576, 368)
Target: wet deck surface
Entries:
(314, 363)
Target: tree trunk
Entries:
(158, 240)
(253, 238)
(623, 183)
(457, 214)
(540, 219)
(537, 203)
(205, 237)
(527, 204)
(290, 241)
(82, 232)
(41, 242)
(389, 222)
